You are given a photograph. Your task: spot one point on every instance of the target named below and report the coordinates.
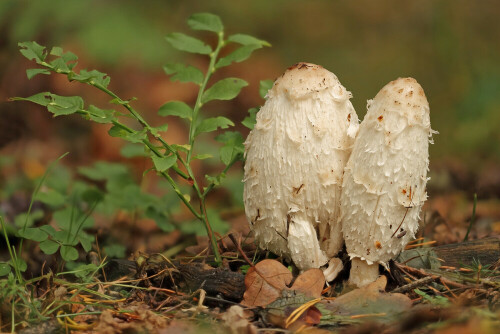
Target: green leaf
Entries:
(99, 115)
(33, 51)
(205, 21)
(59, 65)
(121, 102)
(4, 268)
(33, 233)
(101, 171)
(187, 43)
(264, 87)
(225, 89)
(92, 77)
(176, 108)
(48, 229)
(233, 147)
(184, 73)
(49, 246)
(70, 58)
(23, 218)
(132, 150)
(86, 241)
(42, 99)
(237, 55)
(251, 119)
(133, 137)
(202, 156)
(216, 180)
(247, 40)
(115, 251)
(92, 195)
(58, 105)
(21, 264)
(183, 148)
(30, 73)
(164, 163)
(84, 271)
(211, 124)
(51, 197)
(156, 130)
(65, 105)
(70, 217)
(56, 51)
(69, 253)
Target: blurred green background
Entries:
(451, 47)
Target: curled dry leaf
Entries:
(267, 279)
(264, 283)
(310, 283)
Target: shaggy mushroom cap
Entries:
(385, 178)
(295, 157)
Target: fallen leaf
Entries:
(369, 302)
(264, 283)
(310, 283)
(312, 316)
(237, 320)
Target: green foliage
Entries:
(434, 300)
(166, 158)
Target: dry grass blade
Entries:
(299, 311)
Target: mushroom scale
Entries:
(385, 178)
(295, 157)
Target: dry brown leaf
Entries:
(236, 319)
(264, 282)
(371, 301)
(310, 283)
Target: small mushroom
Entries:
(385, 177)
(295, 157)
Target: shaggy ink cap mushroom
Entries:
(295, 157)
(385, 178)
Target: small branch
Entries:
(472, 218)
(238, 247)
(422, 273)
(413, 285)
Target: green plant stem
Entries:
(212, 184)
(35, 192)
(472, 218)
(181, 195)
(87, 215)
(199, 104)
(13, 256)
(192, 130)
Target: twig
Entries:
(238, 247)
(422, 273)
(413, 285)
(472, 218)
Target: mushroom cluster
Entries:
(295, 159)
(312, 181)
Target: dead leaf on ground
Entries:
(267, 279)
(310, 283)
(237, 318)
(371, 301)
(264, 283)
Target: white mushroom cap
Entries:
(385, 178)
(295, 157)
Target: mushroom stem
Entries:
(362, 273)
